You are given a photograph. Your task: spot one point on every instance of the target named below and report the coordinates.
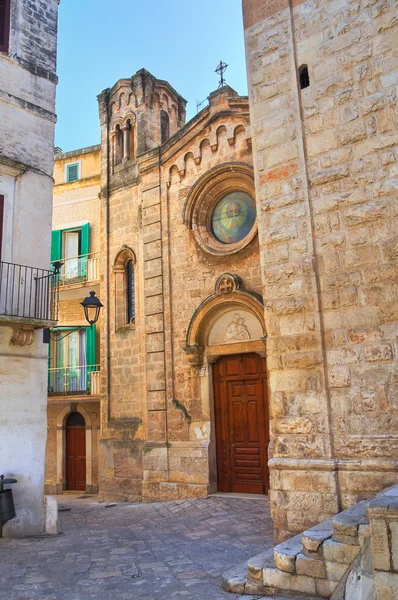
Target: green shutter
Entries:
(56, 245)
(91, 352)
(91, 345)
(72, 172)
(84, 249)
(85, 239)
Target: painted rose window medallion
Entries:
(220, 209)
(233, 217)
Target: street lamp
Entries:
(92, 307)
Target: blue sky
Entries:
(181, 41)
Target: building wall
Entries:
(157, 439)
(27, 105)
(75, 204)
(326, 163)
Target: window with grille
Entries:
(4, 24)
(72, 172)
(130, 292)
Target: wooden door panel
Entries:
(250, 365)
(80, 457)
(76, 458)
(233, 366)
(241, 424)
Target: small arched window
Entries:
(124, 270)
(118, 148)
(130, 291)
(304, 77)
(164, 127)
(130, 150)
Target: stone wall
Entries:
(326, 162)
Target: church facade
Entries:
(184, 390)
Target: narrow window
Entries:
(4, 24)
(1, 221)
(72, 172)
(71, 244)
(118, 145)
(130, 150)
(304, 77)
(130, 291)
(164, 127)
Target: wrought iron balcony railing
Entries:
(80, 269)
(28, 292)
(74, 381)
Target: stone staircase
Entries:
(309, 565)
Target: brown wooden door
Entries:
(76, 458)
(241, 419)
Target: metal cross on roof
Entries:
(222, 67)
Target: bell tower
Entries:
(138, 114)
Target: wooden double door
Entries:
(76, 458)
(241, 424)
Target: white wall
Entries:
(23, 428)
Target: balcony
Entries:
(80, 269)
(74, 381)
(28, 295)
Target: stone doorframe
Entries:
(227, 296)
(61, 447)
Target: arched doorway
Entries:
(75, 452)
(227, 331)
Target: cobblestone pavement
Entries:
(136, 551)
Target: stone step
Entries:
(347, 522)
(277, 581)
(266, 580)
(256, 565)
(285, 554)
(234, 580)
(337, 552)
(313, 538)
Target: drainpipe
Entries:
(164, 324)
(107, 266)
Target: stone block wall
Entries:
(326, 163)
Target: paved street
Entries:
(136, 551)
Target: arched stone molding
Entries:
(61, 446)
(129, 117)
(228, 296)
(125, 253)
(203, 197)
(122, 258)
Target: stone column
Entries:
(126, 143)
